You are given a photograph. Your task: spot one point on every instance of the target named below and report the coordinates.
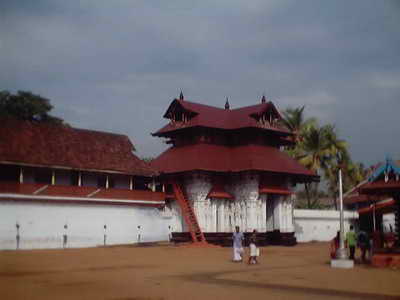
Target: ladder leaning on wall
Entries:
(188, 215)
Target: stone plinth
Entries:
(342, 263)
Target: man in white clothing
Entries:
(237, 245)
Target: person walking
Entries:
(254, 251)
(237, 245)
(364, 244)
(351, 241)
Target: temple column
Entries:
(251, 215)
(263, 225)
(277, 213)
(197, 188)
(220, 215)
(244, 188)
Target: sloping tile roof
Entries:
(382, 207)
(42, 144)
(218, 191)
(219, 158)
(215, 117)
(81, 192)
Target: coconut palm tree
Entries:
(320, 150)
(295, 121)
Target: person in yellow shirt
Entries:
(351, 240)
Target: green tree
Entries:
(295, 120)
(26, 106)
(319, 149)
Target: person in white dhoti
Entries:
(237, 245)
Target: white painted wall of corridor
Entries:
(42, 225)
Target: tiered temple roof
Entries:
(201, 115)
(235, 151)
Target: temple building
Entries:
(62, 186)
(227, 167)
(376, 209)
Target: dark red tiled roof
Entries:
(381, 187)
(355, 198)
(80, 192)
(17, 188)
(218, 191)
(214, 117)
(218, 158)
(130, 194)
(68, 191)
(383, 207)
(274, 190)
(40, 144)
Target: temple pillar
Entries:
(197, 188)
(244, 188)
(263, 225)
(251, 215)
(286, 217)
(277, 214)
(220, 215)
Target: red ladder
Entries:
(188, 215)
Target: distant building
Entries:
(372, 198)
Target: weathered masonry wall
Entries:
(248, 209)
(320, 225)
(41, 225)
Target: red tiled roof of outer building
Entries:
(218, 158)
(42, 144)
(80, 191)
(355, 198)
(215, 117)
(383, 207)
(68, 190)
(130, 194)
(381, 187)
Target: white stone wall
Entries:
(42, 225)
(320, 225)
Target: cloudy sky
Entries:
(116, 65)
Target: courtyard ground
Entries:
(170, 272)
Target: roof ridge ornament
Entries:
(181, 96)
(263, 100)
(227, 106)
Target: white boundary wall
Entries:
(42, 224)
(320, 225)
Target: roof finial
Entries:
(263, 99)
(227, 106)
(181, 96)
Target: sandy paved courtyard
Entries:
(169, 272)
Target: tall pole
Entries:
(341, 253)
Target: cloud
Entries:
(116, 65)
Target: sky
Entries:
(116, 65)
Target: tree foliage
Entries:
(26, 106)
(319, 149)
